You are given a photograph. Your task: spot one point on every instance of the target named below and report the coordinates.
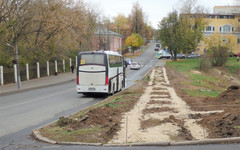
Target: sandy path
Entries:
(131, 124)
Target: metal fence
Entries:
(8, 74)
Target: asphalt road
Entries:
(20, 113)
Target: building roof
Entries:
(226, 6)
(214, 14)
(226, 9)
(105, 31)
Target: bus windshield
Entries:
(92, 59)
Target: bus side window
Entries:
(115, 61)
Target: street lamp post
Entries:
(17, 63)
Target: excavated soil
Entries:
(218, 125)
(172, 115)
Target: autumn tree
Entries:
(148, 32)
(120, 23)
(135, 41)
(52, 30)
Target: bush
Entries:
(219, 55)
(63, 121)
(205, 63)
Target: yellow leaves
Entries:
(218, 40)
(134, 40)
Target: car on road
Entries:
(163, 54)
(135, 66)
(157, 48)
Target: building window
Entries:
(238, 40)
(210, 28)
(225, 16)
(198, 40)
(224, 40)
(210, 16)
(226, 28)
(205, 50)
(238, 20)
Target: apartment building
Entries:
(223, 23)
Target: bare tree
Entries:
(137, 19)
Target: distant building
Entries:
(107, 40)
(225, 22)
(226, 9)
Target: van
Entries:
(162, 54)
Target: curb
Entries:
(39, 137)
(33, 88)
(197, 142)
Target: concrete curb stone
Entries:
(39, 137)
(79, 143)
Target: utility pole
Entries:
(108, 37)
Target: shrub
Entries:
(219, 55)
(63, 121)
(205, 63)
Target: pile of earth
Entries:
(232, 94)
(104, 118)
(227, 123)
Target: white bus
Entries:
(100, 72)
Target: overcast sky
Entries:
(155, 9)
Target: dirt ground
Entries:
(157, 110)
(218, 125)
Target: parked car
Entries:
(193, 55)
(238, 54)
(181, 56)
(135, 66)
